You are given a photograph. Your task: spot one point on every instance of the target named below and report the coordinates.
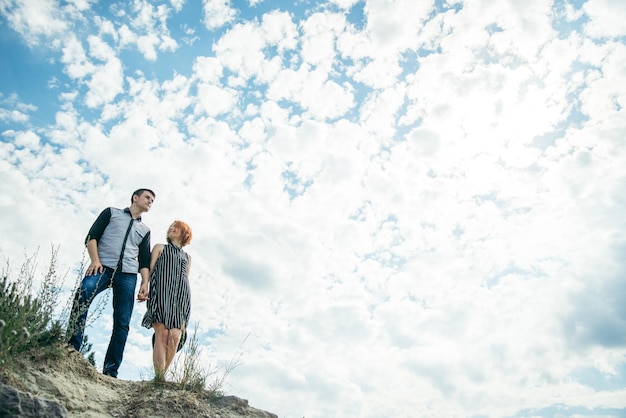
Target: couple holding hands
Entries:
(118, 245)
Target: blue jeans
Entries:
(123, 285)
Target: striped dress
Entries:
(170, 301)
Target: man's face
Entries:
(144, 200)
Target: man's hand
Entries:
(142, 296)
(95, 267)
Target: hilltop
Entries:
(67, 385)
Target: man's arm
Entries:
(98, 227)
(144, 252)
(145, 267)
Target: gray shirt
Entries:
(115, 230)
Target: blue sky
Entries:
(399, 208)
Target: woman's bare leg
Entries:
(172, 346)
(159, 353)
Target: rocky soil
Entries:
(68, 386)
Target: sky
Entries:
(399, 208)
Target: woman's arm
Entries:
(144, 290)
(156, 252)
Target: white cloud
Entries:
(214, 100)
(105, 83)
(345, 4)
(318, 39)
(13, 110)
(251, 58)
(14, 116)
(217, 13)
(393, 26)
(145, 26)
(321, 98)
(379, 111)
(606, 18)
(177, 4)
(572, 13)
(75, 59)
(208, 69)
(602, 98)
(279, 29)
(34, 19)
(27, 140)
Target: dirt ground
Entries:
(72, 381)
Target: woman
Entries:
(169, 298)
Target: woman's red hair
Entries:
(185, 232)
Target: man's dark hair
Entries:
(139, 192)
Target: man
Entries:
(118, 245)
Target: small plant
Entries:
(190, 375)
(85, 350)
(215, 386)
(27, 319)
(186, 369)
